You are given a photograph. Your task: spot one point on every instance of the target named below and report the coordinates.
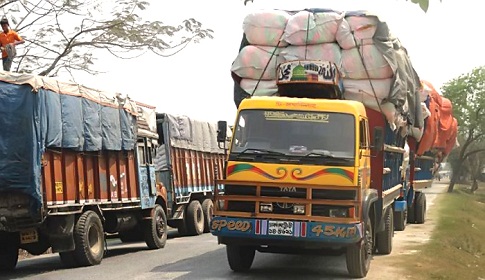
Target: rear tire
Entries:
(400, 220)
(420, 208)
(384, 238)
(359, 255)
(240, 258)
(195, 218)
(208, 210)
(89, 239)
(155, 229)
(9, 251)
(68, 259)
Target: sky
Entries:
(443, 43)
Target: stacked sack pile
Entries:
(349, 39)
(441, 128)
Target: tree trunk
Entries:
(453, 180)
(474, 186)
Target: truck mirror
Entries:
(378, 141)
(221, 131)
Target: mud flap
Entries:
(61, 232)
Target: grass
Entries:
(457, 246)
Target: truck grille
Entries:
(246, 199)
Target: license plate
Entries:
(284, 228)
(29, 236)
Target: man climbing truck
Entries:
(309, 175)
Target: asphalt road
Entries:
(200, 257)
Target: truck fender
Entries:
(369, 198)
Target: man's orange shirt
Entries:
(7, 38)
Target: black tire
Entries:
(420, 208)
(9, 251)
(195, 218)
(240, 258)
(133, 235)
(68, 259)
(155, 229)
(208, 210)
(400, 220)
(411, 219)
(359, 255)
(384, 238)
(89, 239)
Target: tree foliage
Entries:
(467, 93)
(66, 34)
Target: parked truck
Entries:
(78, 165)
(316, 162)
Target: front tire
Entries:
(155, 229)
(240, 258)
(359, 255)
(195, 218)
(400, 220)
(89, 239)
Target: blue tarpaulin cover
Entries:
(38, 113)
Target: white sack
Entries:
(363, 28)
(252, 60)
(327, 51)
(363, 88)
(265, 27)
(322, 28)
(265, 88)
(376, 64)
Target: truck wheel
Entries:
(359, 255)
(208, 210)
(89, 239)
(9, 252)
(68, 259)
(400, 220)
(156, 229)
(420, 210)
(195, 218)
(411, 219)
(240, 258)
(384, 238)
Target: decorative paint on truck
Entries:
(239, 171)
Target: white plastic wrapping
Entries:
(252, 60)
(356, 29)
(266, 27)
(376, 65)
(312, 28)
(326, 51)
(264, 88)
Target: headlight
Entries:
(299, 209)
(265, 207)
(338, 213)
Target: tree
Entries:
(467, 93)
(69, 34)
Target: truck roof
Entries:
(292, 103)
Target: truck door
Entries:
(146, 172)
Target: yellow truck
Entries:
(310, 175)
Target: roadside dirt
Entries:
(404, 242)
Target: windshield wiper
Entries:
(320, 153)
(259, 151)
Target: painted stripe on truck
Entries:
(279, 229)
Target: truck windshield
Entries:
(295, 134)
